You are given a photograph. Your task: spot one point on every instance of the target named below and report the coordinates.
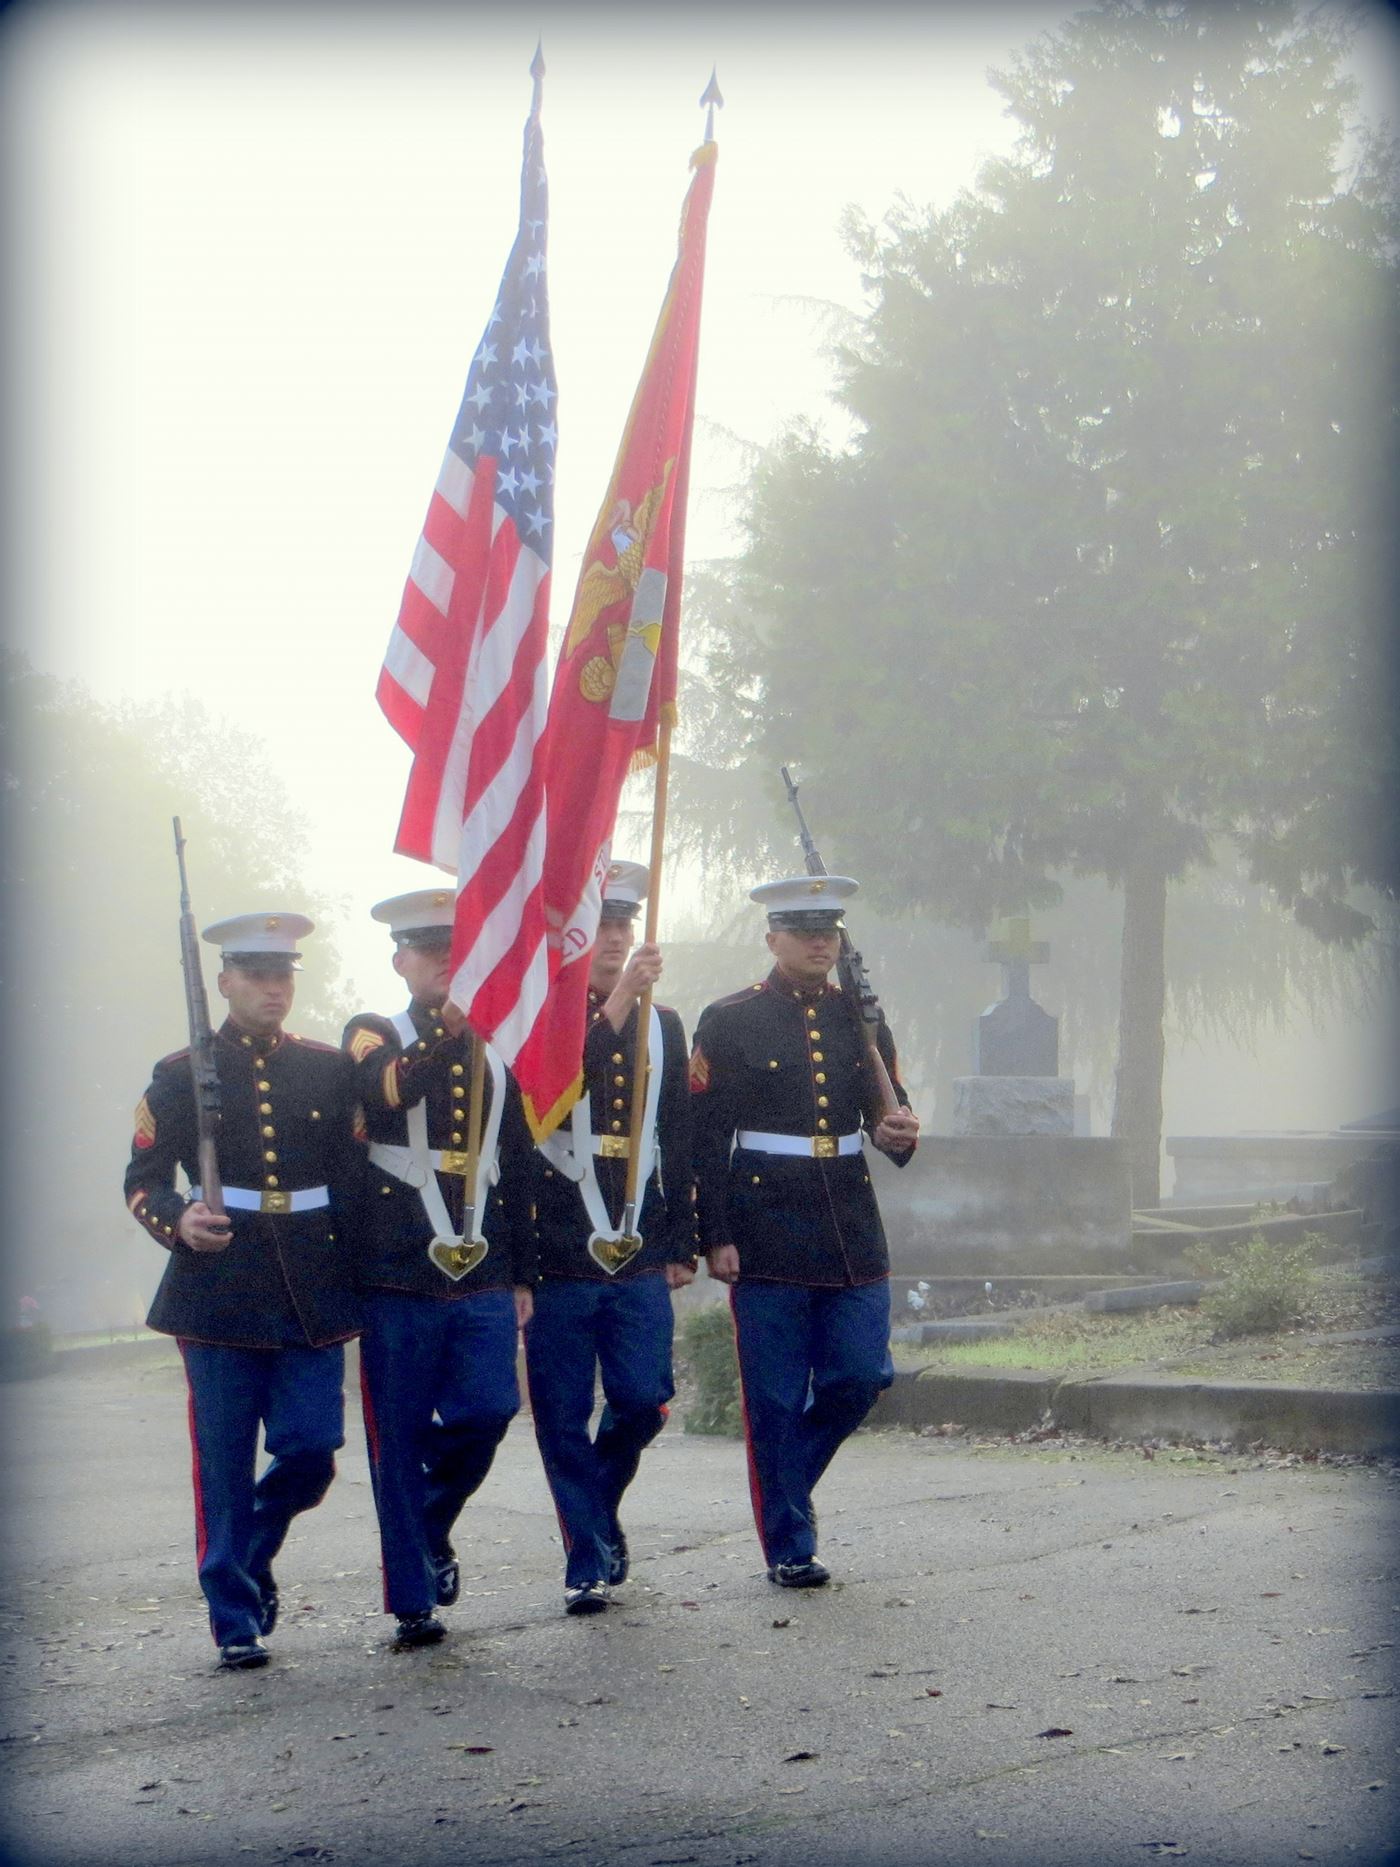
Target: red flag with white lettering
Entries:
(616, 675)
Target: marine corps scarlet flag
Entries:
(616, 676)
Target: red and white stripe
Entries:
(465, 683)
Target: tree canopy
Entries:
(92, 985)
(1098, 582)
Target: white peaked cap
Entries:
(627, 883)
(274, 932)
(416, 911)
(805, 894)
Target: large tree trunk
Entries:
(1137, 1099)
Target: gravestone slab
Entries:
(1003, 1105)
(1016, 1037)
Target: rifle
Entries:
(859, 993)
(208, 1106)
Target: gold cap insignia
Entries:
(273, 923)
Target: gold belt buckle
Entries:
(275, 1202)
(611, 1254)
(824, 1146)
(456, 1256)
(614, 1146)
(453, 1161)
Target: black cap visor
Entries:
(807, 920)
(263, 962)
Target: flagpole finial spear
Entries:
(537, 73)
(712, 96)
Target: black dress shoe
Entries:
(587, 1598)
(799, 1574)
(448, 1577)
(269, 1601)
(419, 1630)
(618, 1560)
(240, 1655)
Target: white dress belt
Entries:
(258, 1199)
(819, 1146)
(401, 1161)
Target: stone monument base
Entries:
(1005, 1105)
(1266, 1165)
(1001, 1205)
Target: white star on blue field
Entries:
(506, 411)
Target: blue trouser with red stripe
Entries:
(297, 1396)
(581, 1329)
(438, 1384)
(813, 1362)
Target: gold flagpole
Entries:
(709, 100)
(475, 1101)
(639, 1053)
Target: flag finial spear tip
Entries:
(537, 73)
(712, 96)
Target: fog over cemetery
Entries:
(1039, 499)
(1040, 545)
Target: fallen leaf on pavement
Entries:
(1056, 1730)
(802, 1756)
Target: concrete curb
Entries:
(1143, 1406)
(86, 1354)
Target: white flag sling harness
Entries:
(611, 1246)
(454, 1253)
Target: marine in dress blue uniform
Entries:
(443, 1306)
(783, 1085)
(261, 1301)
(599, 1312)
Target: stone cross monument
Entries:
(1017, 1088)
(1016, 1037)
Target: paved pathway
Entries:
(1033, 1658)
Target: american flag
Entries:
(465, 681)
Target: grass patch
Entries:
(1072, 1342)
(1191, 1343)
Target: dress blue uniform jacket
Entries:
(779, 1060)
(436, 1068)
(285, 1279)
(667, 1217)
